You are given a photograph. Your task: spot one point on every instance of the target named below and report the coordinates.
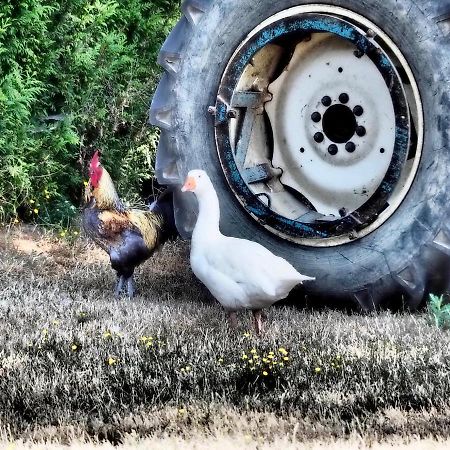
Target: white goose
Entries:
(240, 274)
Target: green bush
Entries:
(75, 76)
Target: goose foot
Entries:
(258, 318)
(232, 317)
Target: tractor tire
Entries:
(404, 257)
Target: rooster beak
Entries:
(189, 185)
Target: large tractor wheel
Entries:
(325, 128)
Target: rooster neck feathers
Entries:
(106, 196)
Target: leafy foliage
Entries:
(75, 76)
(439, 310)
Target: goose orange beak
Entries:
(189, 185)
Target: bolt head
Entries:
(350, 147)
(344, 98)
(319, 137)
(358, 110)
(361, 131)
(316, 117)
(326, 101)
(333, 149)
(232, 114)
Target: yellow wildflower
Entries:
(283, 351)
(47, 196)
(16, 220)
(35, 210)
(265, 360)
(107, 334)
(56, 322)
(246, 335)
(255, 357)
(318, 370)
(112, 361)
(45, 331)
(286, 358)
(244, 356)
(74, 347)
(253, 351)
(143, 338)
(271, 356)
(32, 202)
(265, 373)
(188, 369)
(220, 360)
(181, 411)
(85, 183)
(75, 233)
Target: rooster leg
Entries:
(257, 316)
(131, 287)
(119, 285)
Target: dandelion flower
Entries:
(112, 361)
(220, 360)
(283, 351)
(56, 322)
(265, 373)
(318, 370)
(75, 233)
(35, 210)
(286, 358)
(74, 347)
(246, 335)
(244, 356)
(86, 184)
(16, 220)
(265, 360)
(188, 368)
(32, 202)
(255, 357)
(47, 196)
(181, 411)
(253, 351)
(107, 334)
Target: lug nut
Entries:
(316, 117)
(358, 111)
(358, 53)
(318, 137)
(326, 101)
(232, 114)
(344, 98)
(360, 131)
(350, 147)
(333, 149)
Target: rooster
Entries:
(129, 236)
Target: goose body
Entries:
(239, 273)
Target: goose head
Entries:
(198, 182)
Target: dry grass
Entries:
(74, 364)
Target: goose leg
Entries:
(257, 316)
(119, 285)
(232, 317)
(131, 287)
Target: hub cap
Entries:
(318, 135)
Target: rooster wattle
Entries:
(129, 236)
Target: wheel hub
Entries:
(318, 148)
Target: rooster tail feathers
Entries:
(163, 206)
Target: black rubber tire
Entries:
(409, 254)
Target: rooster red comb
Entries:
(95, 161)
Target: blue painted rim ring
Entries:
(307, 24)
